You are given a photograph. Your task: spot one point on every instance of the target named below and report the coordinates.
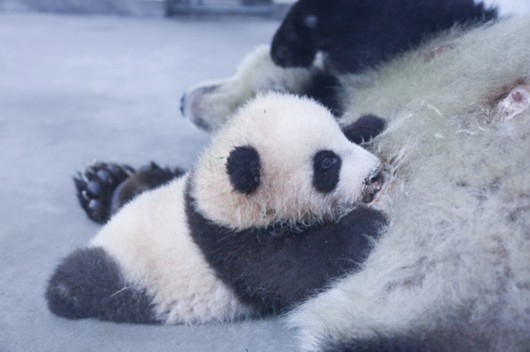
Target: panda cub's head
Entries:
(281, 159)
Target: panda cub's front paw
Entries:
(95, 188)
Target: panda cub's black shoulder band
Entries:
(244, 168)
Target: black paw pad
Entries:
(95, 187)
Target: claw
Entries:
(85, 195)
(79, 182)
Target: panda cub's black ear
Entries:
(364, 129)
(244, 168)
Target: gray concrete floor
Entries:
(77, 89)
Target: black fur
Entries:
(326, 170)
(358, 34)
(275, 267)
(145, 178)
(244, 168)
(88, 284)
(324, 87)
(364, 129)
(103, 188)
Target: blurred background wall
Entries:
(275, 8)
(159, 8)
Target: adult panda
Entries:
(272, 211)
(452, 273)
(319, 41)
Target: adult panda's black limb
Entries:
(103, 188)
(364, 129)
(88, 284)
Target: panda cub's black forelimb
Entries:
(103, 188)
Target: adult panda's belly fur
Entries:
(452, 272)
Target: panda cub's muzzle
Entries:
(372, 184)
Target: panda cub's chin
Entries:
(372, 185)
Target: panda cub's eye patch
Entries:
(326, 170)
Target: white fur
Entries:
(456, 256)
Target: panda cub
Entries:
(272, 211)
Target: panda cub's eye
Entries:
(326, 170)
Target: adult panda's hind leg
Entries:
(89, 284)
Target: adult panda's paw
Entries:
(95, 188)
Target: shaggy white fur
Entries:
(454, 266)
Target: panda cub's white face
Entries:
(281, 158)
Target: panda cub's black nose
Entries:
(372, 185)
(376, 179)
